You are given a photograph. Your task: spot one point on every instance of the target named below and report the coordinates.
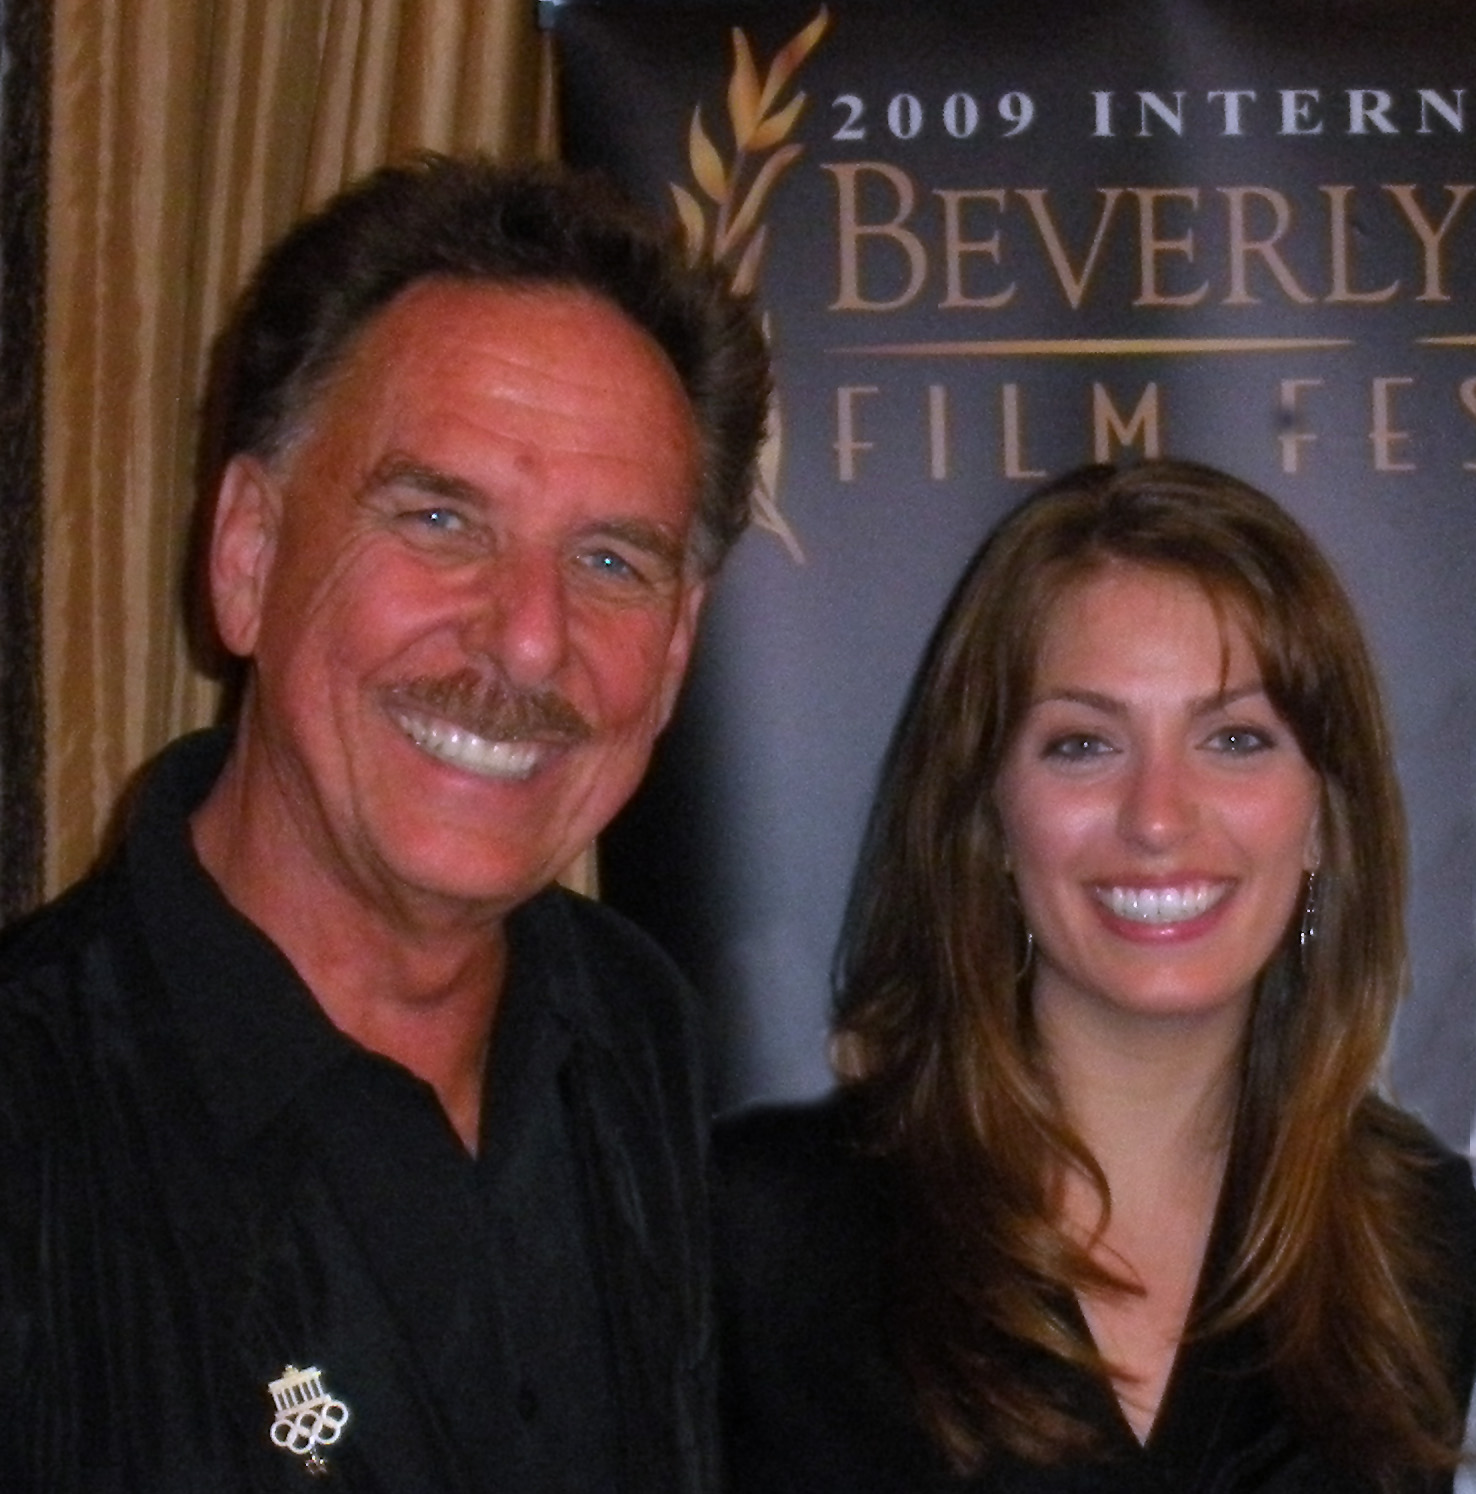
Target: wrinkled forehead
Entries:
(434, 325)
(522, 380)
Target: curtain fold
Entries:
(25, 30)
(185, 136)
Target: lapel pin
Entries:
(308, 1417)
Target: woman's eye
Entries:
(1075, 747)
(1240, 740)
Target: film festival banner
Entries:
(992, 242)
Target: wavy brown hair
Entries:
(1326, 1184)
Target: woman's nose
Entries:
(1160, 804)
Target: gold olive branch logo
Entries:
(728, 226)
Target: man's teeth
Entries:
(1162, 904)
(465, 749)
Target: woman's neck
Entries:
(1150, 1095)
(1153, 1102)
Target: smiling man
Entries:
(335, 1139)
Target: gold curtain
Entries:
(185, 136)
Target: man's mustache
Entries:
(493, 709)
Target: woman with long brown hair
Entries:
(1108, 1197)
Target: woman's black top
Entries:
(813, 1403)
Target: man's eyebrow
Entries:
(397, 471)
(652, 538)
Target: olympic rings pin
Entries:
(308, 1417)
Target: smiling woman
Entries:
(1158, 815)
(1108, 1198)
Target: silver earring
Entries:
(1029, 959)
(1308, 933)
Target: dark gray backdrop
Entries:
(739, 851)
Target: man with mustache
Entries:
(334, 1138)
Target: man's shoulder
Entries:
(101, 905)
(40, 953)
(599, 956)
(52, 965)
(636, 1049)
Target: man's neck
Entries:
(420, 985)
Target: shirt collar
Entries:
(251, 1026)
(255, 1033)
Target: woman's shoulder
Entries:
(1453, 1190)
(1442, 1178)
(794, 1184)
(798, 1135)
(1446, 1218)
(1434, 1189)
(799, 1158)
(812, 1401)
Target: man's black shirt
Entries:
(229, 1185)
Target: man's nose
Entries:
(518, 616)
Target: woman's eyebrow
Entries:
(1110, 705)
(1228, 697)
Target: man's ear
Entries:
(243, 544)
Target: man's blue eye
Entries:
(440, 518)
(609, 563)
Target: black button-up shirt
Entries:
(204, 1181)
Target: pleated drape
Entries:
(25, 31)
(185, 136)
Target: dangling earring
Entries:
(1023, 969)
(1308, 934)
(1029, 959)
